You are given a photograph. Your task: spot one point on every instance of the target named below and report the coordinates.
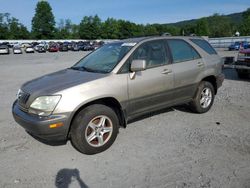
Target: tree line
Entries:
(92, 27)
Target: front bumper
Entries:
(40, 126)
(219, 80)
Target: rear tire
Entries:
(94, 129)
(204, 98)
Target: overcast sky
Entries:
(138, 11)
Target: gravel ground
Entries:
(172, 148)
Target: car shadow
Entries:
(150, 114)
(182, 108)
(231, 74)
(66, 176)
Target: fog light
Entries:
(56, 125)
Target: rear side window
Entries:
(204, 45)
(182, 51)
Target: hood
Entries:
(58, 81)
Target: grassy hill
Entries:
(236, 18)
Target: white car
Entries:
(17, 50)
(29, 49)
(4, 49)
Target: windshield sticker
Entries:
(129, 44)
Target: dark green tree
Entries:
(64, 29)
(150, 30)
(220, 26)
(110, 29)
(245, 27)
(90, 27)
(11, 28)
(164, 28)
(4, 32)
(129, 29)
(17, 30)
(202, 28)
(188, 29)
(43, 22)
(75, 31)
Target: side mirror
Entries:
(138, 65)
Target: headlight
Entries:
(44, 105)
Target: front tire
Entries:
(204, 98)
(94, 129)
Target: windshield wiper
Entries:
(75, 68)
(82, 69)
(87, 69)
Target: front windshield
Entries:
(104, 59)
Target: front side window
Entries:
(182, 51)
(154, 52)
(104, 59)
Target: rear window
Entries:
(204, 45)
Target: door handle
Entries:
(166, 71)
(200, 64)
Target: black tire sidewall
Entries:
(196, 103)
(80, 123)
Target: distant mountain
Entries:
(236, 18)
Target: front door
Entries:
(152, 88)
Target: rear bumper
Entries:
(219, 80)
(40, 126)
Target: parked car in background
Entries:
(63, 47)
(25, 45)
(242, 65)
(12, 44)
(53, 48)
(4, 49)
(17, 50)
(75, 47)
(34, 44)
(97, 45)
(118, 82)
(29, 49)
(41, 49)
(7, 44)
(69, 45)
(82, 45)
(88, 47)
(238, 46)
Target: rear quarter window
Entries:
(182, 51)
(204, 45)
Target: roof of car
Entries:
(140, 39)
(3, 46)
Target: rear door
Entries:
(151, 88)
(188, 67)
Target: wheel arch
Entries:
(212, 80)
(108, 101)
